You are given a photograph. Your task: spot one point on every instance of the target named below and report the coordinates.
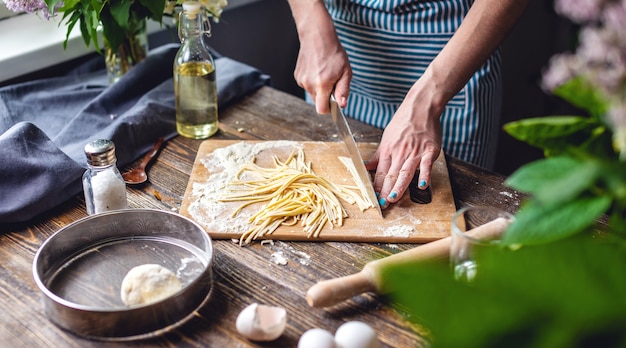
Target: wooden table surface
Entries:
(241, 275)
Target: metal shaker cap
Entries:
(100, 153)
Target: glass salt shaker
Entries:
(103, 184)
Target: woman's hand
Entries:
(322, 67)
(411, 142)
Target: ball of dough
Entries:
(148, 283)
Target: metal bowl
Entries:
(80, 269)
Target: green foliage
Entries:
(559, 134)
(537, 223)
(580, 93)
(119, 18)
(581, 178)
(568, 293)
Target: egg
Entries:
(356, 334)
(317, 338)
(259, 322)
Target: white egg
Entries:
(261, 323)
(317, 338)
(356, 334)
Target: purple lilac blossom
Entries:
(579, 11)
(29, 6)
(561, 68)
(595, 42)
(601, 55)
(614, 16)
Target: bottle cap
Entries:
(100, 153)
(191, 7)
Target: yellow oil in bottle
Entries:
(196, 100)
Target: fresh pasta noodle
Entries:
(292, 194)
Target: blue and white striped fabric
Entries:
(390, 43)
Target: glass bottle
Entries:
(103, 184)
(194, 75)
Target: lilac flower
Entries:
(562, 67)
(579, 11)
(594, 44)
(614, 15)
(29, 6)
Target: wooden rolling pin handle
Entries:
(330, 292)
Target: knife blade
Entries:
(353, 150)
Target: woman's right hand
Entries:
(322, 67)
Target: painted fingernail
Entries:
(382, 202)
(377, 194)
(393, 195)
(422, 183)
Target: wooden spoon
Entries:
(138, 175)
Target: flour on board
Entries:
(224, 164)
(399, 231)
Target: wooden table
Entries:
(241, 275)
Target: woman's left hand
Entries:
(411, 141)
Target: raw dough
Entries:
(148, 283)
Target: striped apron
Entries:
(390, 43)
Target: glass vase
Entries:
(129, 53)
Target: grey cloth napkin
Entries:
(46, 123)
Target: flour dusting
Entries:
(508, 194)
(285, 251)
(279, 258)
(403, 231)
(224, 165)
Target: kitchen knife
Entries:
(353, 150)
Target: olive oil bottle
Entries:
(194, 76)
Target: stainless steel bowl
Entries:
(80, 269)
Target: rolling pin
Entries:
(330, 292)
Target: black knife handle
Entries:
(419, 196)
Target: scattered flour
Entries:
(508, 194)
(190, 268)
(285, 251)
(279, 258)
(404, 231)
(224, 164)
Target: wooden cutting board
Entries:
(403, 222)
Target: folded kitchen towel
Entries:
(45, 124)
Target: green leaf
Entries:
(580, 93)
(538, 223)
(155, 7)
(120, 11)
(71, 22)
(555, 179)
(566, 294)
(554, 133)
(111, 31)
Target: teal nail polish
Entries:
(377, 194)
(423, 183)
(382, 202)
(393, 195)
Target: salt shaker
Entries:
(103, 184)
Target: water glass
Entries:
(466, 240)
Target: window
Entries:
(35, 43)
